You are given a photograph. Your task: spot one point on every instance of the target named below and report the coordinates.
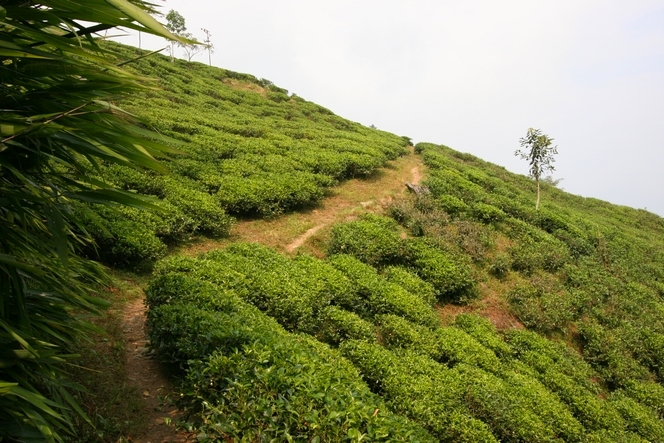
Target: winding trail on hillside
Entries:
(288, 233)
(291, 233)
(300, 230)
(148, 377)
(328, 214)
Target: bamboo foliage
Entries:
(57, 125)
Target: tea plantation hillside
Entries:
(352, 347)
(248, 149)
(393, 335)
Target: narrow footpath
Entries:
(289, 233)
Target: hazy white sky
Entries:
(473, 75)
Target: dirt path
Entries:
(288, 233)
(306, 229)
(416, 174)
(144, 373)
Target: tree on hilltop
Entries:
(539, 152)
(176, 24)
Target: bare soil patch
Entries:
(416, 174)
(245, 86)
(152, 384)
(490, 305)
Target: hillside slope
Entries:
(458, 315)
(249, 149)
(583, 275)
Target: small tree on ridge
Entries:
(176, 24)
(539, 152)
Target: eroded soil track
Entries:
(288, 233)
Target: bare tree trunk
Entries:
(538, 196)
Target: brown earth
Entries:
(288, 233)
(292, 232)
(152, 383)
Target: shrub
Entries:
(336, 325)
(500, 265)
(452, 205)
(530, 255)
(411, 283)
(200, 206)
(518, 408)
(593, 412)
(606, 350)
(247, 376)
(285, 389)
(484, 332)
(397, 332)
(640, 419)
(373, 240)
(648, 393)
(378, 296)
(450, 279)
(486, 213)
(543, 354)
(125, 243)
(541, 308)
(325, 280)
(455, 347)
(419, 388)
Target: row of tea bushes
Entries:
(297, 292)
(229, 311)
(128, 237)
(377, 241)
(247, 378)
(577, 264)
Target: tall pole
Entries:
(209, 45)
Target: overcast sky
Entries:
(473, 75)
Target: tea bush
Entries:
(335, 325)
(244, 376)
(486, 213)
(397, 332)
(419, 388)
(640, 419)
(123, 243)
(411, 283)
(542, 309)
(451, 280)
(484, 332)
(378, 296)
(285, 390)
(373, 240)
(518, 408)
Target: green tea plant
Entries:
(248, 149)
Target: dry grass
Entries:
(490, 304)
(245, 86)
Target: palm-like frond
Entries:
(57, 123)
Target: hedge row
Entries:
(245, 377)
(376, 241)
